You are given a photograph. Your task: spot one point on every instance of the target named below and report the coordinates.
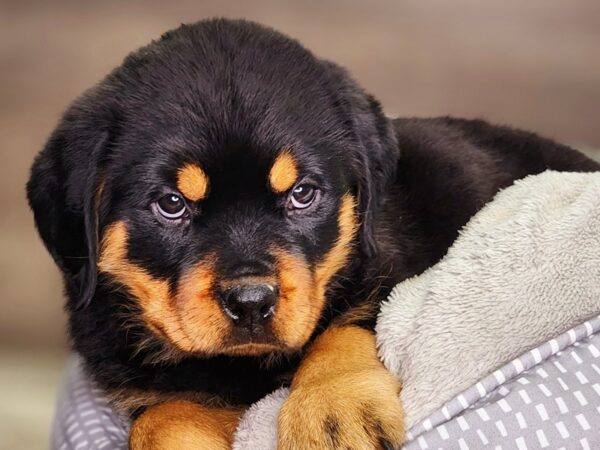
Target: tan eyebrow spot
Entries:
(283, 173)
(192, 182)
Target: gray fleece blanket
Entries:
(517, 294)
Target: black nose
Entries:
(249, 305)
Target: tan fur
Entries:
(201, 316)
(284, 173)
(184, 425)
(341, 385)
(192, 182)
(302, 294)
(190, 318)
(337, 257)
(297, 309)
(153, 294)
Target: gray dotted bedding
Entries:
(547, 398)
(83, 419)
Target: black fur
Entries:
(231, 94)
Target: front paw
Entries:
(181, 424)
(356, 410)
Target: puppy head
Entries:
(221, 178)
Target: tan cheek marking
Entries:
(298, 310)
(303, 294)
(283, 173)
(202, 317)
(192, 182)
(152, 294)
(186, 323)
(338, 255)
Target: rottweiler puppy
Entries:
(228, 211)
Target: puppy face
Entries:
(217, 179)
(228, 250)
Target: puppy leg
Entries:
(342, 397)
(182, 424)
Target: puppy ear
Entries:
(63, 191)
(376, 158)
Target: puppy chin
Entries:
(252, 349)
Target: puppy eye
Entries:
(171, 207)
(302, 196)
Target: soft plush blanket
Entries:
(524, 270)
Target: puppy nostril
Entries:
(266, 311)
(231, 311)
(249, 304)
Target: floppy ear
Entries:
(376, 158)
(63, 194)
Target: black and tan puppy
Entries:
(228, 210)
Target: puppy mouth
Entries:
(253, 340)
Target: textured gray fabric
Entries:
(258, 424)
(523, 270)
(547, 398)
(83, 419)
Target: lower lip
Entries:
(252, 348)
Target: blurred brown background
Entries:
(533, 64)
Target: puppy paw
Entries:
(182, 424)
(356, 411)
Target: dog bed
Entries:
(497, 346)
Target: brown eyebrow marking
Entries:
(284, 172)
(192, 182)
